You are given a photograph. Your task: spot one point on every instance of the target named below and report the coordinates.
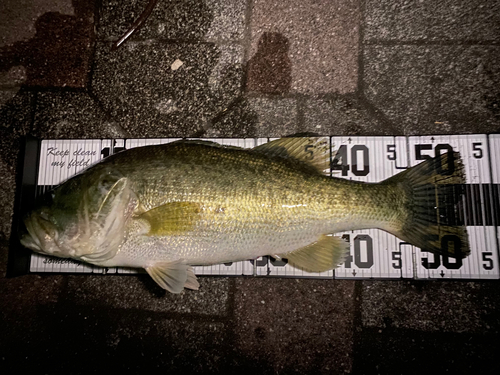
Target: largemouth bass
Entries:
(168, 207)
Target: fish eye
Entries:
(44, 200)
(44, 215)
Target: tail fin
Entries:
(430, 205)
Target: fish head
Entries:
(42, 233)
(84, 218)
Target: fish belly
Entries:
(211, 248)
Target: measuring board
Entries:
(374, 254)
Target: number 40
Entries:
(340, 161)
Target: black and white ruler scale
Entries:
(374, 254)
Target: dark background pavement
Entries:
(250, 68)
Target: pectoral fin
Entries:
(323, 255)
(173, 276)
(172, 218)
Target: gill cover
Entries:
(102, 217)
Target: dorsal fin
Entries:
(203, 142)
(313, 151)
(198, 142)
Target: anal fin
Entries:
(323, 255)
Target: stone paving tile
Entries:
(225, 80)
(320, 39)
(386, 74)
(4, 255)
(6, 95)
(21, 299)
(339, 116)
(18, 22)
(239, 120)
(139, 88)
(229, 63)
(72, 115)
(141, 293)
(60, 336)
(435, 89)
(403, 20)
(275, 117)
(432, 306)
(15, 122)
(8, 180)
(428, 327)
(402, 351)
(13, 77)
(269, 71)
(229, 19)
(174, 346)
(59, 52)
(181, 20)
(15, 113)
(295, 325)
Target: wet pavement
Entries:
(249, 68)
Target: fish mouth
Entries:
(28, 241)
(40, 235)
